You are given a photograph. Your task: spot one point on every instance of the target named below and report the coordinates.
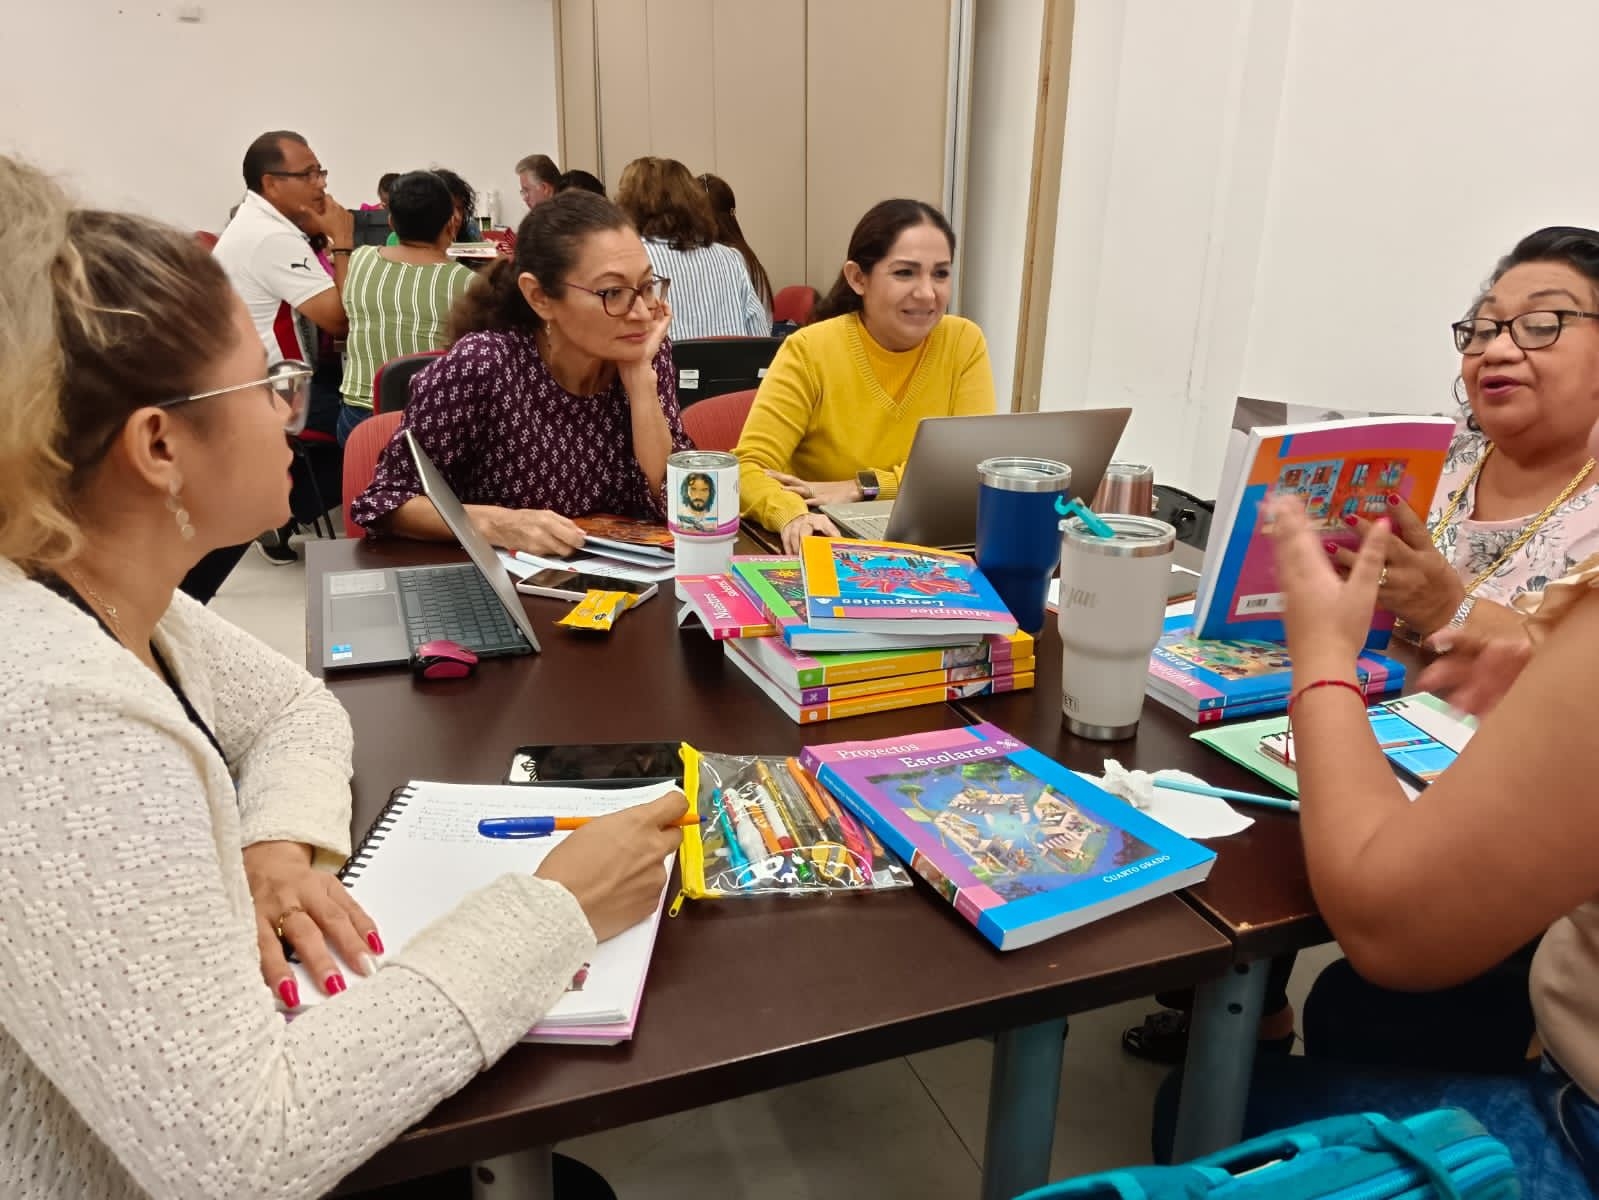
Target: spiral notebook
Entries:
(423, 855)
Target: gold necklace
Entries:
(109, 609)
(1522, 538)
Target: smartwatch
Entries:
(867, 482)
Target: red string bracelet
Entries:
(1312, 686)
(1321, 683)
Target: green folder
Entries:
(1241, 742)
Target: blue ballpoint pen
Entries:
(1205, 789)
(537, 827)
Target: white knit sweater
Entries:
(140, 1051)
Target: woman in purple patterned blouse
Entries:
(558, 397)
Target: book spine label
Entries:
(980, 672)
(913, 697)
(723, 608)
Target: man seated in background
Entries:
(267, 253)
(540, 179)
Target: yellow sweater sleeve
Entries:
(782, 412)
(973, 396)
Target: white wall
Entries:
(1004, 101)
(142, 111)
(1294, 199)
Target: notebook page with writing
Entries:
(424, 855)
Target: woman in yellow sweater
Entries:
(834, 418)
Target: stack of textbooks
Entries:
(1210, 680)
(1022, 847)
(862, 627)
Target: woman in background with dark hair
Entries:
(711, 289)
(465, 199)
(834, 417)
(398, 298)
(558, 397)
(582, 181)
(730, 233)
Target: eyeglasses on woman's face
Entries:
(1529, 331)
(619, 301)
(288, 381)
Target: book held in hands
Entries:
(1341, 470)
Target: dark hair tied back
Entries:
(548, 244)
(874, 236)
(1576, 247)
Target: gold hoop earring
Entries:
(179, 513)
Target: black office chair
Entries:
(371, 226)
(1186, 513)
(709, 367)
(391, 386)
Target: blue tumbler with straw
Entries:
(1018, 531)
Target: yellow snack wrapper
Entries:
(598, 610)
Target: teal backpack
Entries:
(1445, 1154)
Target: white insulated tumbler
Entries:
(1112, 608)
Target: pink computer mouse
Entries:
(442, 660)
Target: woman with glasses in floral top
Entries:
(1516, 508)
(557, 398)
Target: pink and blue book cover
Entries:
(851, 583)
(1022, 847)
(1236, 673)
(1341, 470)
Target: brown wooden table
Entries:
(1258, 893)
(890, 974)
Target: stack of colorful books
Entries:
(1210, 680)
(862, 627)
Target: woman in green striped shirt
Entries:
(398, 297)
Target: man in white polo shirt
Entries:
(267, 252)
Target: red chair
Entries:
(796, 304)
(367, 440)
(391, 386)
(715, 424)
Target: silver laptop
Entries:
(376, 618)
(937, 501)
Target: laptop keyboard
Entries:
(872, 529)
(456, 603)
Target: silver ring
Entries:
(1382, 579)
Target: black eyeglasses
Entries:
(308, 174)
(288, 381)
(1530, 331)
(618, 301)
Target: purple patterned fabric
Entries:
(492, 418)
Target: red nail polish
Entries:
(1394, 501)
(1330, 547)
(334, 984)
(1351, 521)
(290, 993)
(373, 940)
